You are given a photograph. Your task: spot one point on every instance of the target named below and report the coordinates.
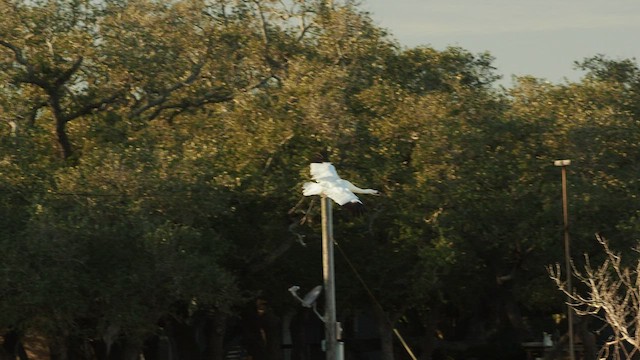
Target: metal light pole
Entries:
(328, 276)
(567, 256)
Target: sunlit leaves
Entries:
(193, 122)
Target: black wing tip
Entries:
(320, 157)
(355, 208)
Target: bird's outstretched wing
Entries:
(324, 171)
(340, 194)
(311, 188)
(329, 183)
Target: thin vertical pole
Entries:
(567, 257)
(329, 279)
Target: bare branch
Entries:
(193, 76)
(66, 75)
(17, 53)
(88, 108)
(263, 25)
(613, 295)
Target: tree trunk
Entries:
(512, 312)
(61, 122)
(58, 348)
(215, 337)
(428, 345)
(63, 139)
(12, 347)
(588, 339)
(130, 351)
(385, 330)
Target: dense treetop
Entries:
(152, 152)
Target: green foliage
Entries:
(192, 124)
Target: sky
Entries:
(541, 38)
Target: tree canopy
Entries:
(152, 155)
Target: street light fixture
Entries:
(309, 300)
(567, 256)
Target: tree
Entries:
(49, 52)
(188, 126)
(591, 123)
(79, 58)
(114, 253)
(608, 292)
(422, 69)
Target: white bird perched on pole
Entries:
(328, 183)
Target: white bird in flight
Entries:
(328, 183)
